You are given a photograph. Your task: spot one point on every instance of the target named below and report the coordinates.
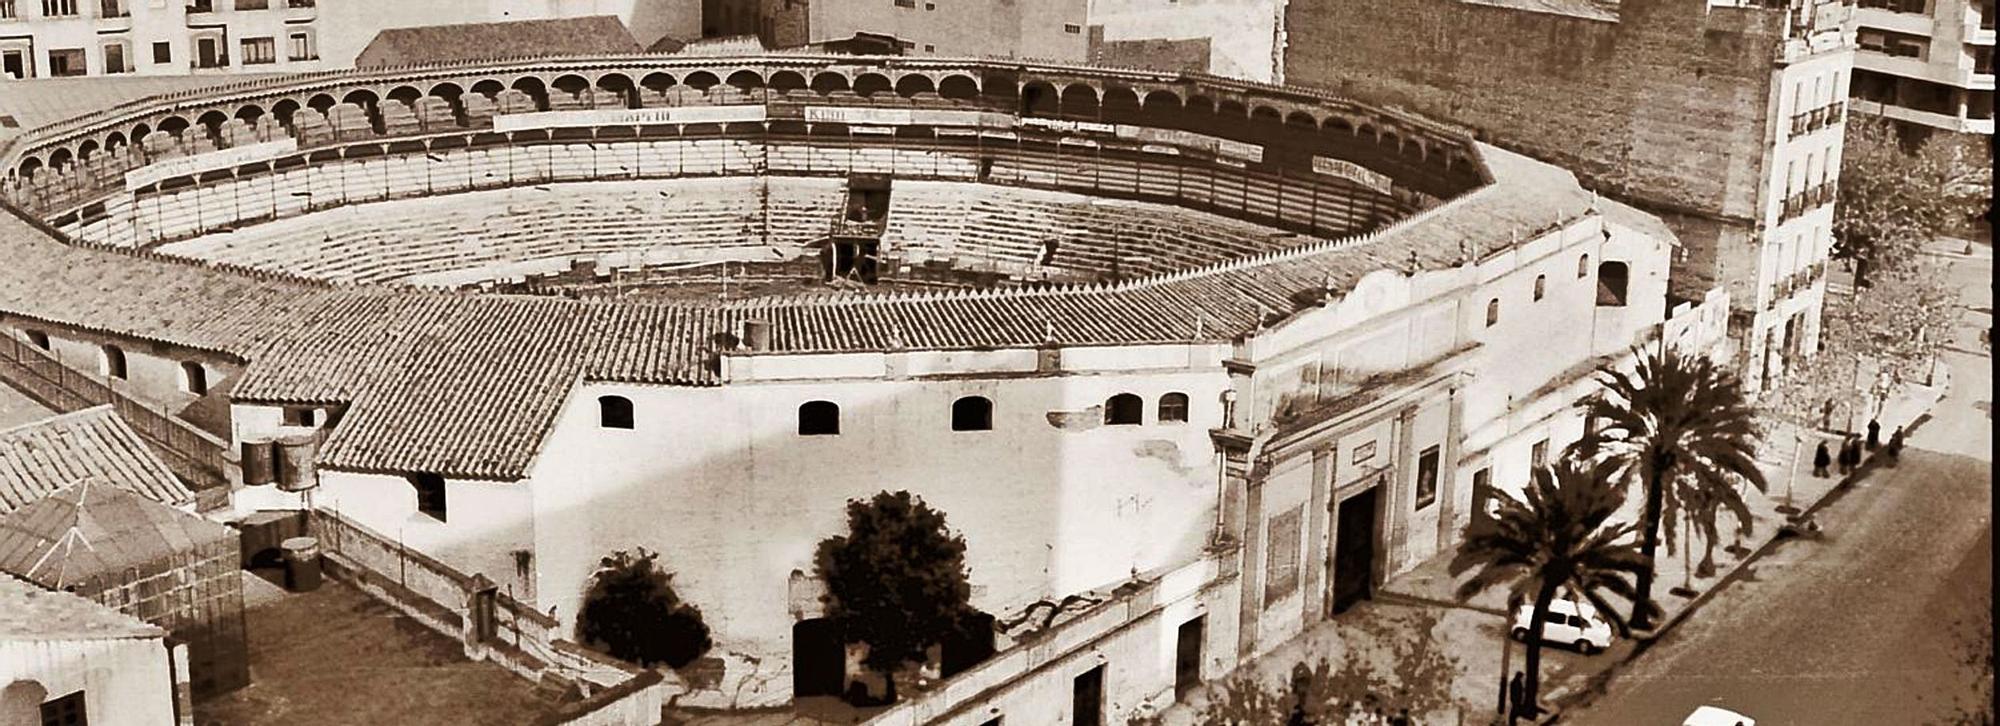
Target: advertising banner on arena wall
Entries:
(231, 158)
(742, 113)
(1353, 172)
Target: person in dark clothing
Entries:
(1874, 434)
(1850, 454)
(1895, 447)
(1517, 692)
(1821, 460)
(1826, 415)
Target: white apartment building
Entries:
(59, 38)
(1926, 62)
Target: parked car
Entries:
(1569, 622)
(1715, 716)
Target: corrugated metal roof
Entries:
(28, 612)
(41, 458)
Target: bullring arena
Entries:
(585, 304)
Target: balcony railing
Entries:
(1805, 122)
(1807, 200)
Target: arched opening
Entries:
(1541, 286)
(1120, 104)
(958, 88)
(320, 102)
(1040, 99)
(405, 94)
(1493, 312)
(614, 412)
(787, 81)
(826, 83)
(28, 168)
(819, 418)
(972, 413)
(1612, 278)
(173, 125)
(1161, 102)
(250, 113)
(869, 84)
(1582, 266)
(1124, 409)
(488, 88)
(447, 91)
(1174, 407)
(573, 88)
(702, 81)
(361, 97)
(745, 81)
(194, 378)
(657, 82)
(86, 149)
(912, 84)
(618, 86)
(59, 159)
(111, 362)
(1079, 100)
(114, 142)
(535, 90)
(283, 110)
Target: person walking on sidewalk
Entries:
(1874, 434)
(1850, 454)
(1895, 448)
(1821, 460)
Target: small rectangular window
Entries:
(302, 47)
(58, 8)
(906, 3)
(1427, 477)
(1281, 576)
(1538, 456)
(300, 416)
(430, 495)
(258, 51)
(1072, 28)
(65, 711)
(163, 52)
(114, 58)
(38, 339)
(67, 62)
(253, 4)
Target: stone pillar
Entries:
(1449, 514)
(1319, 508)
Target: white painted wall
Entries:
(125, 681)
(485, 521)
(719, 481)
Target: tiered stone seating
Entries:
(514, 101)
(564, 101)
(436, 114)
(311, 128)
(398, 119)
(489, 235)
(161, 145)
(479, 109)
(350, 122)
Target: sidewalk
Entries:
(1474, 631)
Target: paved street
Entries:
(1871, 625)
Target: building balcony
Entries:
(1934, 120)
(299, 10)
(1885, 19)
(1806, 122)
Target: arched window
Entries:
(1541, 286)
(1611, 280)
(1174, 407)
(1582, 266)
(38, 339)
(819, 418)
(972, 413)
(614, 412)
(1124, 409)
(114, 362)
(1493, 312)
(194, 378)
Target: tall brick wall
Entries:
(1665, 106)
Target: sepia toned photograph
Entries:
(996, 362)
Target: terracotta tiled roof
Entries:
(592, 35)
(28, 612)
(467, 385)
(91, 529)
(38, 459)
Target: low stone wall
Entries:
(1129, 640)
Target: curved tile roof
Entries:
(43, 457)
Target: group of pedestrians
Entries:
(1852, 450)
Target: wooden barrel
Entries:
(295, 456)
(259, 463)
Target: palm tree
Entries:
(1674, 415)
(1558, 536)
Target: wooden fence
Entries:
(198, 457)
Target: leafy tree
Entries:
(1894, 199)
(1871, 342)
(1674, 415)
(632, 612)
(896, 581)
(1418, 684)
(1558, 536)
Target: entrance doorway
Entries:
(1354, 550)
(1187, 657)
(819, 661)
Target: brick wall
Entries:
(1665, 105)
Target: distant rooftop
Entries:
(95, 444)
(28, 612)
(1606, 10)
(592, 35)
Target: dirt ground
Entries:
(337, 656)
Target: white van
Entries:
(1569, 622)
(1713, 716)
